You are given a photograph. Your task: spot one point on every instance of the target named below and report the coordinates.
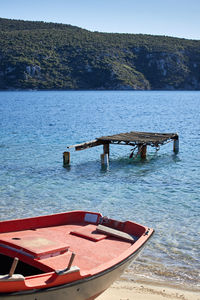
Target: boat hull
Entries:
(86, 289)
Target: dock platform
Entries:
(138, 140)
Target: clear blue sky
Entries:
(180, 18)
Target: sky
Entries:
(178, 18)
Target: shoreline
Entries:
(144, 290)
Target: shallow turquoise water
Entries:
(162, 192)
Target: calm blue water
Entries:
(162, 192)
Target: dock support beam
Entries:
(176, 145)
(66, 159)
(104, 160)
(143, 151)
(105, 155)
(106, 149)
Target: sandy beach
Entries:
(125, 290)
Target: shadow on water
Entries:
(152, 163)
(119, 166)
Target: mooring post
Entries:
(66, 159)
(176, 144)
(143, 151)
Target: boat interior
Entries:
(43, 249)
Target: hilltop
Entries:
(38, 55)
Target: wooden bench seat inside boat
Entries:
(89, 232)
(116, 233)
(34, 243)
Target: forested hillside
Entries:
(38, 55)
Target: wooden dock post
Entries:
(176, 144)
(143, 151)
(66, 159)
(106, 149)
(104, 160)
(105, 155)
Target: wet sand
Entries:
(125, 290)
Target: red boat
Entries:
(74, 255)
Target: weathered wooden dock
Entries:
(138, 140)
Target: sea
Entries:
(161, 192)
